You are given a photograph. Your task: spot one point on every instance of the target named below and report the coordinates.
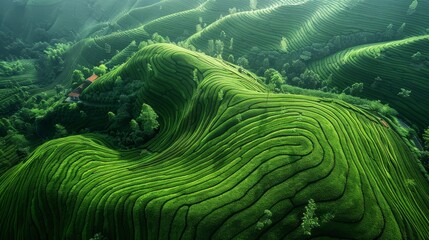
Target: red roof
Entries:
(92, 78)
(74, 94)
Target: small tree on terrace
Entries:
(404, 92)
(412, 7)
(243, 62)
(148, 120)
(253, 4)
(219, 47)
(211, 47)
(309, 220)
(77, 78)
(284, 45)
(100, 70)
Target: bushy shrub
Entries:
(273, 77)
(100, 70)
(412, 7)
(148, 120)
(8, 69)
(308, 79)
(265, 220)
(309, 220)
(131, 131)
(243, 62)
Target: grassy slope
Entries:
(173, 25)
(301, 23)
(217, 164)
(306, 23)
(311, 22)
(62, 17)
(393, 63)
(141, 15)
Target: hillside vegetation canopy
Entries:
(214, 119)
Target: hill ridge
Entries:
(235, 154)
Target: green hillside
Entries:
(227, 151)
(308, 22)
(385, 69)
(323, 27)
(141, 15)
(214, 119)
(39, 20)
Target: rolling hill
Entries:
(227, 151)
(384, 69)
(231, 159)
(332, 26)
(32, 20)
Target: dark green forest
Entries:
(214, 119)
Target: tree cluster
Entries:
(23, 128)
(51, 62)
(129, 131)
(273, 78)
(310, 219)
(8, 69)
(265, 220)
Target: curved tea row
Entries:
(384, 69)
(226, 151)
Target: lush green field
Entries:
(309, 22)
(230, 154)
(384, 69)
(227, 150)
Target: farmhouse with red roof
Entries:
(74, 95)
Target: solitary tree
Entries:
(100, 70)
(148, 119)
(198, 28)
(253, 4)
(309, 220)
(401, 29)
(417, 57)
(265, 220)
(231, 43)
(404, 92)
(219, 47)
(283, 45)
(232, 10)
(231, 58)
(412, 7)
(243, 62)
(211, 47)
(222, 35)
(356, 88)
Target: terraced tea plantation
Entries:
(227, 150)
(214, 119)
(385, 69)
